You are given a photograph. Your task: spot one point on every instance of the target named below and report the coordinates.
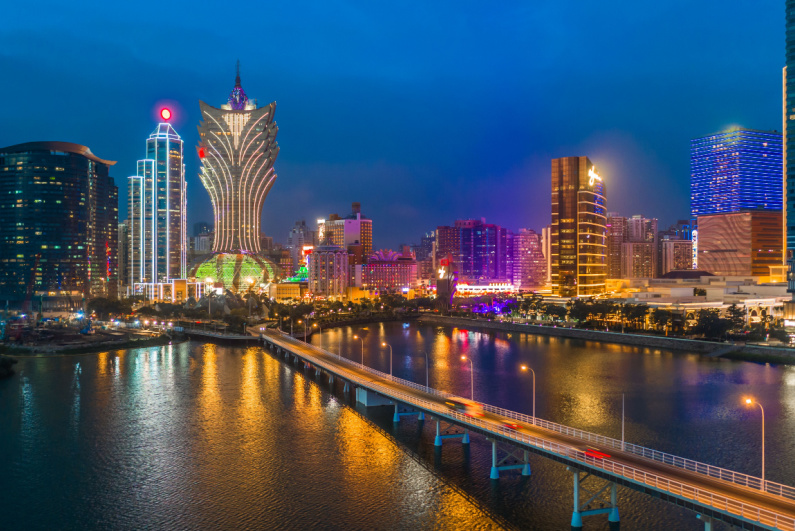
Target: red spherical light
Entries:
(201, 152)
(165, 114)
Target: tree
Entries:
(661, 318)
(555, 311)
(699, 292)
(710, 324)
(736, 316)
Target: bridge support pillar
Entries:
(439, 437)
(317, 373)
(369, 398)
(526, 467)
(495, 471)
(498, 464)
(398, 414)
(331, 378)
(438, 440)
(584, 508)
(708, 521)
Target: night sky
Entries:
(424, 112)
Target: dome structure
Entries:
(236, 271)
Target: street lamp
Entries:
(210, 299)
(749, 402)
(385, 344)
(299, 322)
(471, 374)
(362, 340)
(526, 368)
(320, 332)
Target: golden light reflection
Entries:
(102, 364)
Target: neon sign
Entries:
(442, 272)
(593, 177)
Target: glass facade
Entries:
(578, 237)
(157, 203)
(789, 139)
(58, 222)
(738, 169)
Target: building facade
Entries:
(579, 228)
(59, 223)
(529, 263)
(328, 271)
(638, 260)
(616, 236)
(737, 169)
(237, 148)
(740, 243)
(388, 271)
(156, 211)
(350, 230)
(676, 255)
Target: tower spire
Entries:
(237, 76)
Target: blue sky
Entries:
(424, 112)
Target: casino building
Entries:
(237, 148)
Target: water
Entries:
(197, 436)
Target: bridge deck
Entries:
(730, 493)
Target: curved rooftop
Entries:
(67, 147)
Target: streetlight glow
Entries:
(750, 401)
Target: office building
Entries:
(679, 232)
(578, 237)
(124, 255)
(328, 271)
(546, 249)
(616, 237)
(156, 211)
(737, 169)
(237, 148)
(741, 243)
(480, 250)
(58, 225)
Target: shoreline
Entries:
(751, 353)
(36, 352)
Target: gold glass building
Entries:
(578, 238)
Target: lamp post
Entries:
(304, 322)
(385, 344)
(749, 402)
(526, 368)
(320, 332)
(210, 299)
(362, 340)
(471, 376)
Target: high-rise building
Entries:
(789, 151)
(529, 263)
(679, 232)
(300, 236)
(638, 259)
(616, 236)
(737, 169)
(59, 223)
(328, 271)
(676, 255)
(740, 243)
(156, 211)
(237, 148)
(579, 228)
(546, 248)
(350, 230)
(480, 250)
(124, 254)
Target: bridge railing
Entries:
(731, 476)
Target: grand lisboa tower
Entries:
(237, 148)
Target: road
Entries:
(746, 495)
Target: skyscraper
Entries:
(352, 229)
(740, 243)
(579, 228)
(58, 223)
(737, 169)
(237, 148)
(157, 231)
(529, 263)
(480, 250)
(789, 149)
(616, 236)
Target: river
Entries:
(198, 436)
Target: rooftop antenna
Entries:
(237, 76)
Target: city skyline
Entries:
(518, 110)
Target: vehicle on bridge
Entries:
(591, 452)
(467, 407)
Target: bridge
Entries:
(712, 492)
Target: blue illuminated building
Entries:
(737, 169)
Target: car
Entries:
(592, 452)
(510, 424)
(467, 407)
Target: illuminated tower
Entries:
(156, 209)
(237, 148)
(578, 239)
